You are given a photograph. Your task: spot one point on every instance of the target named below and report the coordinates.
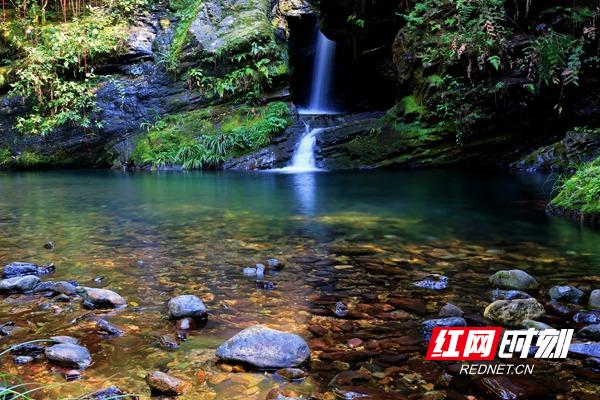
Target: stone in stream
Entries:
(109, 393)
(258, 271)
(105, 328)
(168, 342)
(499, 294)
(433, 282)
(274, 264)
(588, 349)
(292, 374)
(429, 324)
(6, 328)
(341, 310)
(21, 360)
(513, 312)
(537, 325)
(100, 298)
(450, 310)
(57, 287)
(187, 305)
(587, 317)
(65, 339)
(595, 299)
(501, 388)
(266, 285)
(566, 294)
(18, 268)
(186, 324)
(265, 348)
(165, 384)
(590, 332)
(69, 355)
(513, 279)
(27, 349)
(49, 245)
(19, 284)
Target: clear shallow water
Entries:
(358, 237)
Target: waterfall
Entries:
(303, 159)
(304, 156)
(321, 77)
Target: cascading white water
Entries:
(304, 156)
(321, 78)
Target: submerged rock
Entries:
(104, 327)
(168, 342)
(529, 323)
(450, 310)
(274, 264)
(589, 349)
(19, 284)
(109, 393)
(429, 324)
(513, 312)
(590, 332)
(49, 245)
(258, 270)
(166, 384)
(100, 298)
(341, 310)
(65, 339)
(57, 287)
(566, 294)
(18, 268)
(513, 279)
(433, 282)
(266, 285)
(499, 294)
(69, 355)
(186, 324)
(595, 299)
(265, 348)
(292, 374)
(187, 305)
(21, 360)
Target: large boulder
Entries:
(100, 298)
(566, 294)
(265, 348)
(513, 279)
(69, 355)
(19, 284)
(513, 312)
(18, 268)
(166, 384)
(187, 306)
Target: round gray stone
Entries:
(595, 299)
(69, 355)
(187, 305)
(265, 348)
(101, 298)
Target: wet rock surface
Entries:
(19, 284)
(100, 298)
(433, 282)
(265, 348)
(162, 383)
(22, 268)
(69, 355)
(566, 294)
(429, 324)
(187, 306)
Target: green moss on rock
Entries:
(579, 195)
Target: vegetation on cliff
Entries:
(579, 195)
(207, 137)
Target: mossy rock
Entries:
(513, 312)
(513, 279)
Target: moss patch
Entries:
(206, 138)
(580, 193)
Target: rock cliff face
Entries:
(137, 88)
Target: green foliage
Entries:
(260, 66)
(54, 69)
(581, 192)
(556, 58)
(186, 11)
(199, 139)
